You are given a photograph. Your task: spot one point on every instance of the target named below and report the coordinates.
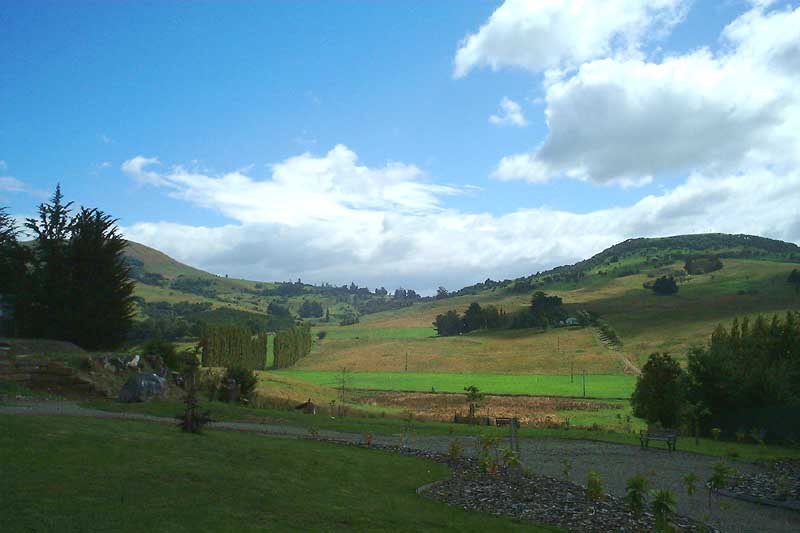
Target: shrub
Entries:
(192, 420)
(566, 468)
(322, 334)
(594, 486)
(690, 482)
(455, 451)
(636, 493)
(165, 350)
(246, 379)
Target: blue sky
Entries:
(211, 129)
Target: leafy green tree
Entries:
(311, 308)
(794, 277)
(448, 324)
(441, 293)
(474, 399)
(102, 308)
(659, 394)
(245, 378)
(665, 285)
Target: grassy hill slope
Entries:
(752, 281)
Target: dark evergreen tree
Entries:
(14, 282)
(51, 297)
(101, 309)
(474, 318)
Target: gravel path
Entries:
(616, 464)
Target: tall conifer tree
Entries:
(101, 287)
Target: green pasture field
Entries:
(524, 351)
(65, 474)
(597, 385)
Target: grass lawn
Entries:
(394, 426)
(597, 386)
(66, 474)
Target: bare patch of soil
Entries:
(531, 410)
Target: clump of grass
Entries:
(636, 494)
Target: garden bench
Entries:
(670, 436)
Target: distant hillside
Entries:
(750, 276)
(632, 255)
(143, 259)
(174, 300)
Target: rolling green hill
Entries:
(173, 299)
(611, 285)
(752, 280)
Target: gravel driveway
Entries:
(616, 463)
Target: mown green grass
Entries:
(597, 385)
(65, 474)
(396, 426)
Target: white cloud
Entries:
(557, 34)
(511, 114)
(11, 184)
(136, 169)
(628, 120)
(329, 219)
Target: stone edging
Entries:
(792, 506)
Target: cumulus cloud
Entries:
(136, 168)
(328, 218)
(511, 114)
(559, 34)
(629, 120)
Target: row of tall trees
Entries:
(71, 282)
(752, 366)
(233, 346)
(292, 344)
(543, 311)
